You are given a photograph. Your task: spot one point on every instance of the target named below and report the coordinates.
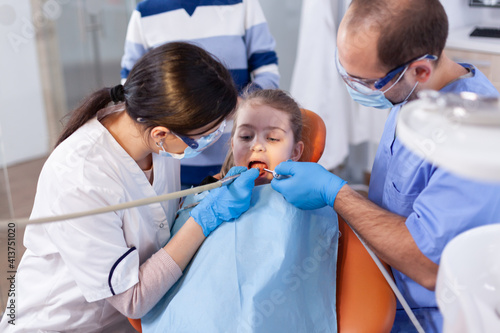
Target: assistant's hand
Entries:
(226, 203)
(310, 186)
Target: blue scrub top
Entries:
(438, 205)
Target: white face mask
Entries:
(195, 146)
(176, 156)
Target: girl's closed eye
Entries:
(274, 135)
(246, 137)
(245, 134)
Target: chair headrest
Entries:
(313, 136)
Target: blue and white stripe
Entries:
(234, 31)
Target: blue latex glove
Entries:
(310, 186)
(226, 203)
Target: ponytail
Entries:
(86, 111)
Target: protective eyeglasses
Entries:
(369, 86)
(204, 141)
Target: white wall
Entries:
(22, 114)
(460, 14)
(283, 17)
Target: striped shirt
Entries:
(234, 31)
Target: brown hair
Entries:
(407, 28)
(275, 98)
(176, 85)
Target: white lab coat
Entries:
(70, 267)
(317, 86)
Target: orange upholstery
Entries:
(365, 301)
(136, 323)
(313, 136)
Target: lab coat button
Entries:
(161, 225)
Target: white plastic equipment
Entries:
(468, 286)
(461, 133)
(458, 132)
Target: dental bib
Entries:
(271, 270)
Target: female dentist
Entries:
(87, 274)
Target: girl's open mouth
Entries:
(258, 165)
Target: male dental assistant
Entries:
(388, 50)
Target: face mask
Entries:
(165, 153)
(377, 99)
(195, 146)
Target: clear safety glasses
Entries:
(205, 141)
(371, 86)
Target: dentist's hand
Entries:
(310, 186)
(226, 203)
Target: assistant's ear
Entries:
(159, 133)
(298, 149)
(422, 70)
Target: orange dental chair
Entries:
(365, 301)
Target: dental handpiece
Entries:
(276, 175)
(125, 205)
(228, 180)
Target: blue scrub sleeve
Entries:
(448, 206)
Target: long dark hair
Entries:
(177, 85)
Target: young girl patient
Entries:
(266, 131)
(274, 270)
